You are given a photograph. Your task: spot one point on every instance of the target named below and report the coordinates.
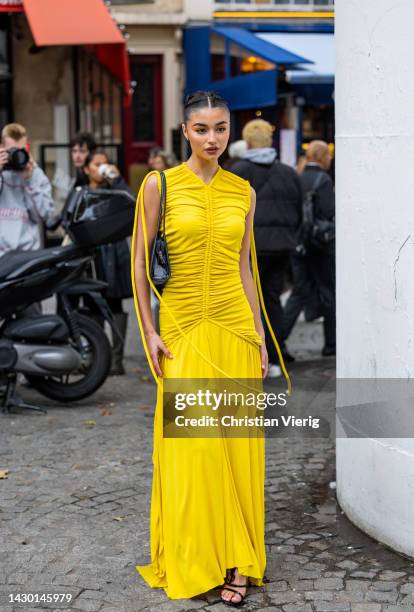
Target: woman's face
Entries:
(157, 163)
(92, 169)
(79, 155)
(208, 131)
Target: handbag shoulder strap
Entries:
(163, 204)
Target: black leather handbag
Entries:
(160, 263)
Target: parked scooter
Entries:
(65, 356)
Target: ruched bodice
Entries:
(204, 228)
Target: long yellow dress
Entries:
(207, 506)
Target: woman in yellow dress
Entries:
(207, 505)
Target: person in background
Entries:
(113, 260)
(315, 267)
(276, 222)
(153, 152)
(25, 194)
(81, 145)
(236, 150)
(159, 162)
(157, 159)
(25, 198)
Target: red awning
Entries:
(80, 22)
(71, 22)
(11, 6)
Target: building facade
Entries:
(269, 58)
(56, 82)
(154, 38)
(272, 59)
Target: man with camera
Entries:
(25, 193)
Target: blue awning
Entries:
(254, 90)
(266, 50)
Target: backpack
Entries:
(315, 232)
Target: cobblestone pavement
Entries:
(74, 509)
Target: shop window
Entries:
(6, 110)
(252, 63)
(143, 102)
(100, 100)
(241, 61)
(5, 102)
(218, 66)
(318, 123)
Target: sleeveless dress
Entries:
(207, 505)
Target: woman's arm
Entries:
(151, 198)
(247, 280)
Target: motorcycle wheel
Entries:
(96, 363)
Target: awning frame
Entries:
(267, 51)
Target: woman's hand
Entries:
(112, 171)
(264, 358)
(155, 345)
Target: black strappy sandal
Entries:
(230, 576)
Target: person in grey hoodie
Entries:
(25, 196)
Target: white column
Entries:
(171, 95)
(374, 96)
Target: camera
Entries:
(18, 159)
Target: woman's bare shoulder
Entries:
(151, 186)
(152, 192)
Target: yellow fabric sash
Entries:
(140, 207)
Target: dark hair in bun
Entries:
(201, 99)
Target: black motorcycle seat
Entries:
(16, 263)
(36, 329)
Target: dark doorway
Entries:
(144, 125)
